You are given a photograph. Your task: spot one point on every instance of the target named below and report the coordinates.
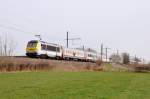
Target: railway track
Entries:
(52, 59)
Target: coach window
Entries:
(43, 47)
(51, 48)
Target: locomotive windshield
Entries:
(32, 44)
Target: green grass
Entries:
(74, 85)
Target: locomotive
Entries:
(43, 49)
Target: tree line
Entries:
(124, 58)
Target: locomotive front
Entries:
(32, 48)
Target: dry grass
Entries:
(99, 62)
(21, 64)
(8, 64)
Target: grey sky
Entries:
(119, 24)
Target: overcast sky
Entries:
(119, 24)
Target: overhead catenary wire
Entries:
(20, 30)
(16, 29)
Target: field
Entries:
(74, 85)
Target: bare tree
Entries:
(11, 48)
(7, 46)
(126, 58)
(1, 47)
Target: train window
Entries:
(53, 48)
(43, 47)
(32, 44)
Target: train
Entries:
(41, 49)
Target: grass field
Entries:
(75, 85)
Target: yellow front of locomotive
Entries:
(33, 48)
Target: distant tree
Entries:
(1, 47)
(7, 46)
(115, 58)
(126, 58)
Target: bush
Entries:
(140, 67)
(15, 64)
(99, 62)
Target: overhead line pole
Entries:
(101, 52)
(117, 52)
(107, 53)
(67, 39)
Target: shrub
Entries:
(99, 62)
(140, 67)
(16, 64)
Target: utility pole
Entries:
(101, 52)
(83, 48)
(117, 52)
(67, 39)
(5, 46)
(107, 53)
(72, 39)
(143, 61)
